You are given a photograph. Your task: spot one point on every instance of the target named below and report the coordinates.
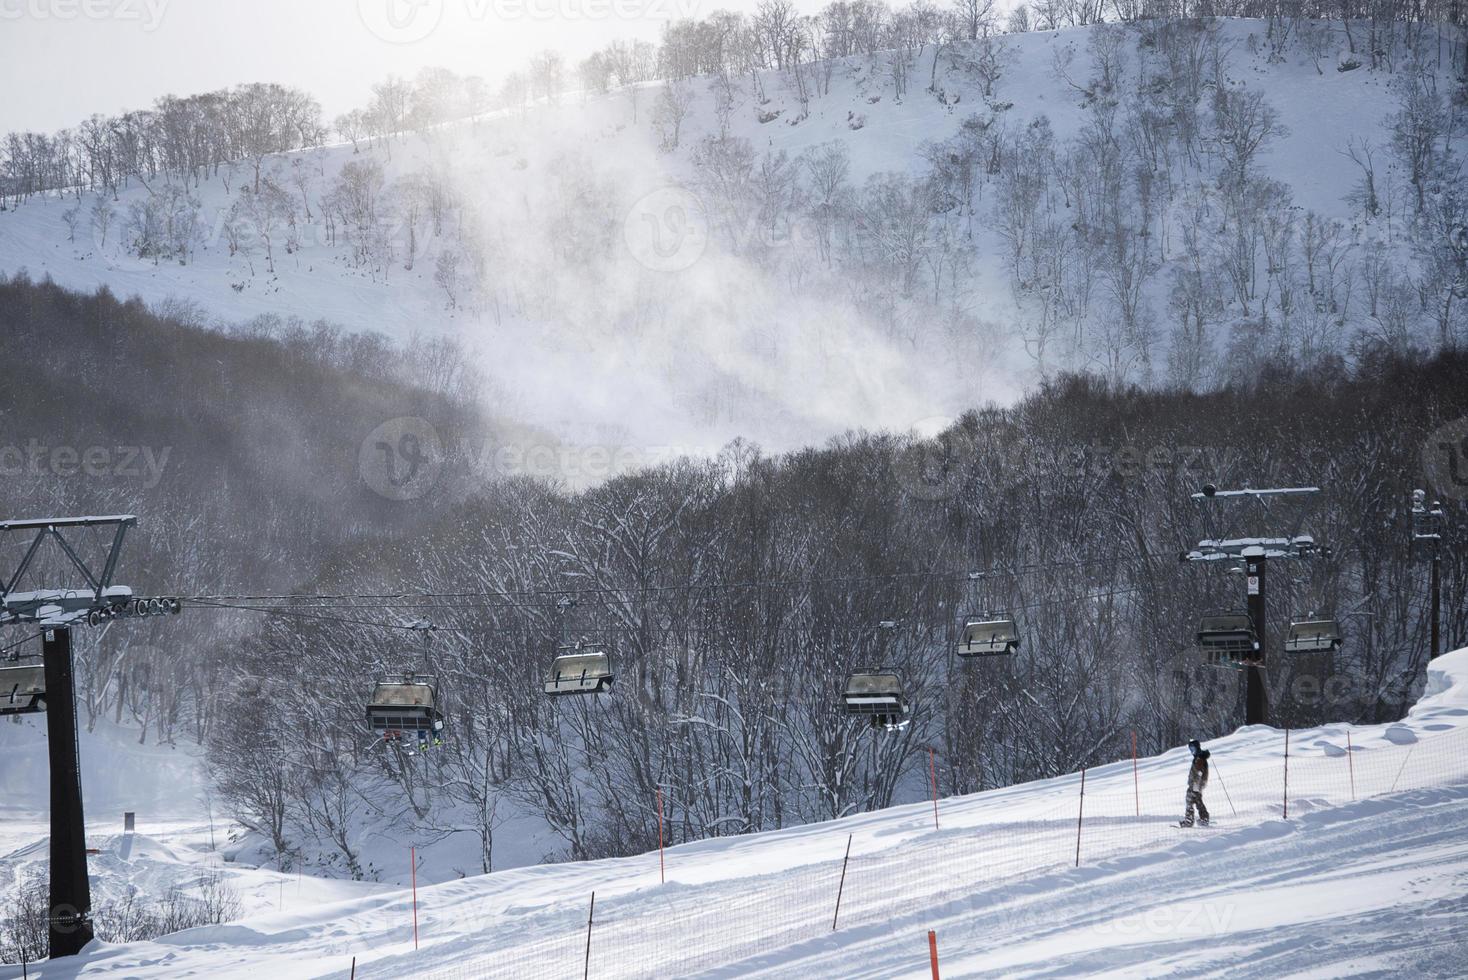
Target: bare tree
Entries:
(1418, 126)
(674, 103)
(1364, 195)
(1244, 123)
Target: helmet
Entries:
(1194, 746)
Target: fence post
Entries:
(841, 887)
(933, 772)
(933, 952)
(586, 971)
(1351, 765)
(1287, 775)
(1080, 812)
(1136, 789)
(662, 870)
(413, 872)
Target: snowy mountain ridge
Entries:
(663, 266)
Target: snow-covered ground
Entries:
(183, 832)
(1366, 875)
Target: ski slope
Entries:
(1366, 874)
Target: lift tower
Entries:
(1254, 554)
(55, 611)
(1427, 539)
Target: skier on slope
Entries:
(1197, 779)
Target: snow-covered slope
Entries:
(183, 830)
(1364, 874)
(592, 331)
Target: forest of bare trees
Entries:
(734, 594)
(194, 136)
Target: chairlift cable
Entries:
(297, 614)
(411, 599)
(912, 625)
(18, 643)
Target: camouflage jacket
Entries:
(1198, 775)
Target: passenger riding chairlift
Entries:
(408, 702)
(1314, 634)
(22, 689)
(1228, 639)
(579, 671)
(878, 695)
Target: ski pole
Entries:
(1225, 789)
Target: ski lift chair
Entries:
(1228, 638)
(580, 672)
(22, 689)
(1313, 635)
(877, 695)
(987, 637)
(405, 704)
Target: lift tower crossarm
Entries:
(98, 582)
(1299, 546)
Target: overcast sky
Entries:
(61, 60)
